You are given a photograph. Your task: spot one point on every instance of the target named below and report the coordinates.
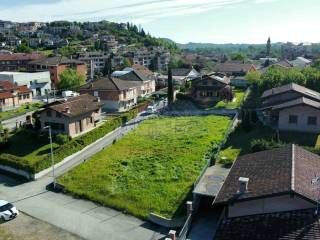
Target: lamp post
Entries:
(52, 159)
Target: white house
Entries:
(39, 83)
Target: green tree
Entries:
(23, 48)
(70, 80)
(268, 47)
(239, 57)
(312, 76)
(67, 51)
(254, 78)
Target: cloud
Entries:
(139, 11)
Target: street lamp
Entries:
(52, 159)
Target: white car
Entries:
(151, 110)
(7, 211)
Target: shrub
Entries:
(62, 139)
(259, 145)
(226, 161)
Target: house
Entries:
(179, 76)
(56, 65)
(39, 83)
(73, 117)
(95, 61)
(16, 61)
(116, 94)
(271, 195)
(206, 90)
(147, 85)
(13, 96)
(234, 68)
(301, 62)
(292, 108)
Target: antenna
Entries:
(315, 183)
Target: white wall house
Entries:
(39, 83)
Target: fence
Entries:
(184, 231)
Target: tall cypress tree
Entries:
(269, 47)
(170, 87)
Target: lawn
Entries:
(19, 111)
(150, 170)
(236, 103)
(239, 141)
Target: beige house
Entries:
(73, 117)
(292, 108)
(268, 193)
(12, 96)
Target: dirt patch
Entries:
(25, 227)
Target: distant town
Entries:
(107, 132)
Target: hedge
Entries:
(73, 145)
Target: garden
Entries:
(20, 111)
(153, 168)
(29, 150)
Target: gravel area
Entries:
(25, 227)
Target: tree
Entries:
(238, 57)
(226, 94)
(70, 80)
(269, 47)
(23, 48)
(254, 78)
(170, 88)
(312, 76)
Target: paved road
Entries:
(84, 218)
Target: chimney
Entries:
(243, 185)
(67, 110)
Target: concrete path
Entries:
(84, 218)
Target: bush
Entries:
(62, 139)
(226, 161)
(259, 145)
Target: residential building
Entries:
(179, 76)
(116, 94)
(271, 195)
(292, 108)
(17, 61)
(108, 42)
(206, 90)
(291, 50)
(56, 65)
(39, 83)
(301, 62)
(73, 117)
(13, 96)
(95, 61)
(156, 57)
(234, 68)
(146, 86)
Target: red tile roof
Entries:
(21, 56)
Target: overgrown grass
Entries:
(19, 111)
(239, 97)
(152, 169)
(239, 141)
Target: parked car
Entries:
(7, 211)
(151, 110)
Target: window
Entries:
(58, 115)
(312, 120)
(49, 113)
(293, 119)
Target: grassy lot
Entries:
(239, 141)
(239, 97)
(152, 169)
(19, 111)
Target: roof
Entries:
(299, 224)
(298, 101)
(233, 67)
(7, 87)
(291, 87)
(77, 105)
(180, 71)
(110, 84)
(146, 71)
(293, 167)
(20, 56)
(54, 61)
(218, 77)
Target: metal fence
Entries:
(184, 231)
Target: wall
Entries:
(303, 112)
(268, 205)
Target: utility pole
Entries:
(51, 153)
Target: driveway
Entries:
(83, 218)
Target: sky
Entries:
(205, 21)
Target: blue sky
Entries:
(215, 21)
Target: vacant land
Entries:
(27, 228)
(152, 169)
(19, 111)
